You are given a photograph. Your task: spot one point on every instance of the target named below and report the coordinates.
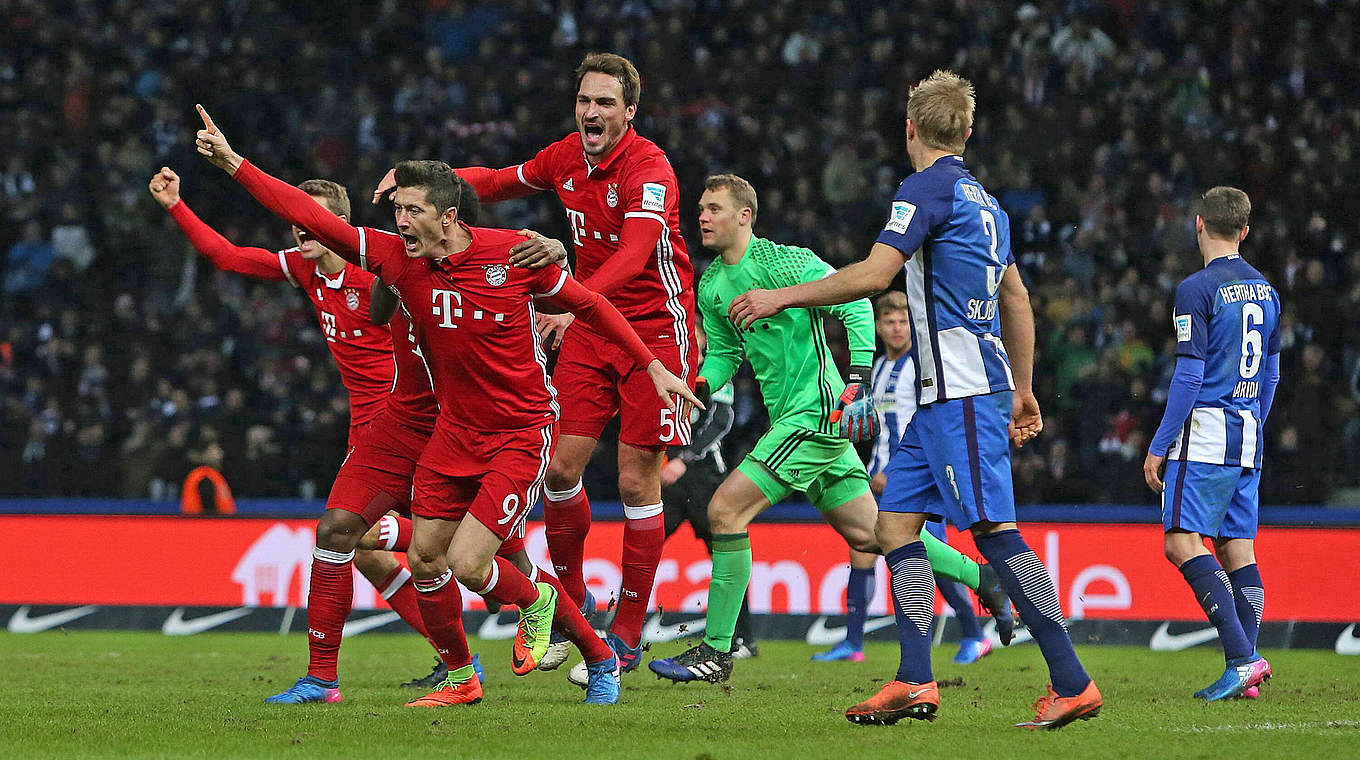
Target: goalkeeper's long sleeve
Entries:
(225, 255)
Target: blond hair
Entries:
(892, 301)
(741, 191)
(941, 107)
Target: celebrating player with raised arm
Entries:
(360, 499)
(975, 351)
(801, 388)
(473, 316)
(1227, 370)
(622, 205)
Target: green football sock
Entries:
(947, 561)
(731, 575)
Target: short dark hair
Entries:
(443, 190)
(615, 66)
(741, 191)
(470, 207)
(1225, 211)
(336, 198)
(892, 301)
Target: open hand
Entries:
(213, 144)
(1026, 421)
(1152, 472)
(164, 187)
(668, 386)
(536, 251)
(551, 328)
(752, 305)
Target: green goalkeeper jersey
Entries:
(788, 351)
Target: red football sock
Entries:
(401, 597)
(567, 515)
(568, 621)
(507, 585)
(328, 602)
(441, 605)
(644, 532)
(394, 533)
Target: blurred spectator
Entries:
(1098, 124)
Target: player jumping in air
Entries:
(1227, 369)
(893, 381)
(801, 388)
(974, 336)
(356, 529)
(473, 317)
(622, 203)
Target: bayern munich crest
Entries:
(613, 197)
(496, 274)
(352, 298)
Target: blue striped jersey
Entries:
(893, 383)
(957, 244)
(1228, 316)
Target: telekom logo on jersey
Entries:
(447, 305)
(576, 220)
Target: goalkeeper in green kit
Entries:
(814, 416)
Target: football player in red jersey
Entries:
(356, 527)
(622, 203)
(474, 319)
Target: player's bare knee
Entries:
(639, 488)
(426, 561)
(339, 531)
(470, 571)
(1180, 547)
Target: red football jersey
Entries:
(634, 181)
(362, 350)
(474, 322)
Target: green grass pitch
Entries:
(106, 694)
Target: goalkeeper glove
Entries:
(855, 408)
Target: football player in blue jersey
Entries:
(974, 336)
(1227, 368)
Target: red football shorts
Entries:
(376, 476)
(494, 477)
(596, 380)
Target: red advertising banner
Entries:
(1103, 571)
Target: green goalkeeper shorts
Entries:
(788, 459)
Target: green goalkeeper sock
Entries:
(731, 575)
(947, 561)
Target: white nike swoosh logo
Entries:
(356, 627)
(493, 628)
(819, 634)
(1346, 643)
(176, 625)
(654, 631)
(1164, 641)
(20, 622)
(915, 694)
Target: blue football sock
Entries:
(956, 594)
(857, 604)
(1215, 596)
(1249, 596)
(913, 592)
(1031, 589)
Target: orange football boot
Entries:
(895, 701)
(1052, 711)
(468, 692)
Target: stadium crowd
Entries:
(125, 359)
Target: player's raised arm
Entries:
(492, 185)
(225, 255)
(592, 308)
(859, 280)
(1017, 334)
(289, 203)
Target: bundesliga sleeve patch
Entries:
(1182, 328)
(900, 218)
(654, 197)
